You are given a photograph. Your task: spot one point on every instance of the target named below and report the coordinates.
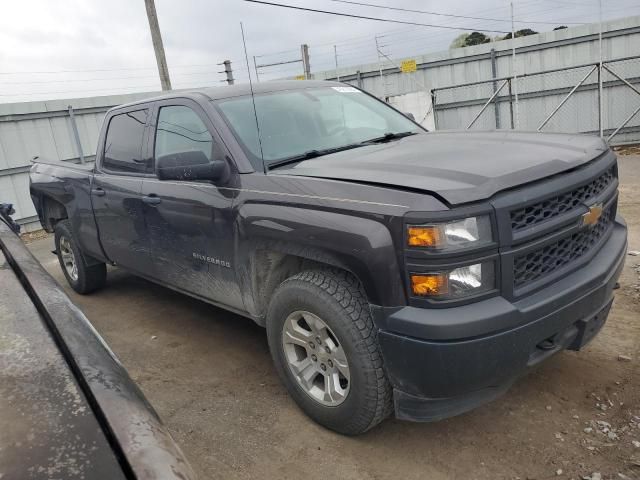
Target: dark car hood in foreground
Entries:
(460, 167)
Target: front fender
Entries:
(363, 246)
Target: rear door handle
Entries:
(98, 192)
(151, 199)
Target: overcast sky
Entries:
(73, 48)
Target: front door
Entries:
(190, 222)
(116, 191)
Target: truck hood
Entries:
(459, 167)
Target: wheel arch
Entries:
(53, 211)
(269, 267)
(276, 242)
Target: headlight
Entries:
(452, 284)
(463, 233)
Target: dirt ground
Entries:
(209, 375)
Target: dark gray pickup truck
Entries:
(394, 269)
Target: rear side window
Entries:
(123, 146)
(183, 137)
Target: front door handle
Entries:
(151, 199)
(98, 192)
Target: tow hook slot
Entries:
(547, 344)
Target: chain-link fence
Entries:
(584, 99)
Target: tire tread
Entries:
(90, 277)
(349, 294)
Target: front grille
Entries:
(541, 211)
(539, 263)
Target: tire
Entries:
(362, 400)
(84, 278)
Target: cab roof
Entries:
(239, 90)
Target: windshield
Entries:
(296, 122)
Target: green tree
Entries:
(470, 39)
(476, 38)
(459, 41)
(520, 33)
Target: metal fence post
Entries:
(359, 78)
(76, 136)
(494, 70)
(435, 111)
(484, 107)
(511, 105)
(600, 126)
(634, 113)
(564, 100)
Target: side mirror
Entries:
(191, 166)
(410, 115)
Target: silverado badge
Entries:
(590, 218)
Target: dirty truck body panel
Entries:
(553, 250)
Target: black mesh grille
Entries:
(534, 265)
(539, 212)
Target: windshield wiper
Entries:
(311, 154)
(319, 153)
(387, 137)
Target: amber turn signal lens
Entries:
(425, 236)
(429, 285)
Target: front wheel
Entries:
(82, 277)
(325, 349)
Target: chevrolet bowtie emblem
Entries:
(590, 218)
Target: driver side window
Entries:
(182, 137)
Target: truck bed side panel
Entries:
(71, 187)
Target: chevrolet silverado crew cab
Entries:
(394, 269)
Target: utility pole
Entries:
(163, 70)
(228, 71)
(304, 49)
(335, 56)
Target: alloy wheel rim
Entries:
(316, 358)
(68, 258)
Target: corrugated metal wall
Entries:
(539, 94)
(44, 128)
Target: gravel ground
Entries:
(209, 375)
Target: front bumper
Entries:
(443, 362)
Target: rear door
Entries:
(116, 190)
(190, 224)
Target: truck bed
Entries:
(83, 167)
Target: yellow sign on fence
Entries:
(300, 77)
(408, 66)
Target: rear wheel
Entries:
(82, 277)
(324, 345)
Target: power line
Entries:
(367, 38)
(426, 12)
(377, 19)
(106, 89)
(26, 72)
(75, 80)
